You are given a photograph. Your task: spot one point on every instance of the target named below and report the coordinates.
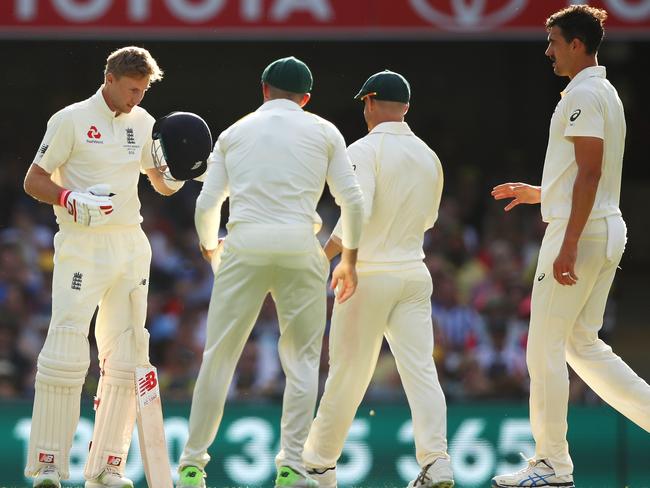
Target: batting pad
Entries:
(62, 367)
(115, 409)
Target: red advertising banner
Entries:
(348, 19)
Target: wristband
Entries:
(63, 197)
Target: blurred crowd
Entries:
(482, 262)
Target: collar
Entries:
(590, 72)
(400, 128)
(279, 103)
(100, 103)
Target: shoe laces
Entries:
(423, 477)
(50, 469)
(531, 462)
(112, 471)
(319, 471)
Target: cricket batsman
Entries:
(87, 168)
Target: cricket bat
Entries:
(151, 433)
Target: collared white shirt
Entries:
(86, 144)
(401, 179)
(589, 107)
(273, 165)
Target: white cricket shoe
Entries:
(48, 477)
(538, 473)
(109, 478)
(437, 474)
(326, 477)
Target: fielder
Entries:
(401, 180)
(87, 168)
(582, 246)
(273, 164)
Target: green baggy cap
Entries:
(386, 85)
(289, 74)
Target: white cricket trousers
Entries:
(564, 326)
(397, 305)
(92, 266)
(288, 262)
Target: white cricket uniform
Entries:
(401, 179)
(86, 144)
(565, 320)
(273, 165)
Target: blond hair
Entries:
(133, 61)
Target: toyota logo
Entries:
(468, 15)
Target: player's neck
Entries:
(108, 101)
(585, 63)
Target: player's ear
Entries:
(577, 45)
(370, 103)
(406, 108)
(305, 98)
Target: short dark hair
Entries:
(276, 92)
(580, 22)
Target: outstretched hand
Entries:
(519, 192)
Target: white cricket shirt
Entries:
(273, 165)
(589, 107)
(401, 180)
(86, 144)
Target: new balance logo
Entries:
(114, 461)
(76, 281)
(43, 148)
(147, 383)
(144, 282)
(130, 138)
(44, 457)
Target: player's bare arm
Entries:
(333, 247)
(519, 192)
(39, 185)
(159, 183)
(589, 157)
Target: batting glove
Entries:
(90, 207)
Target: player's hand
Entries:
(519, 192)
(90, 207)
(564, 265)
(209, 253)
(344, 281)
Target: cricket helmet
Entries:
(182, 142)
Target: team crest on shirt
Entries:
(131, 144)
